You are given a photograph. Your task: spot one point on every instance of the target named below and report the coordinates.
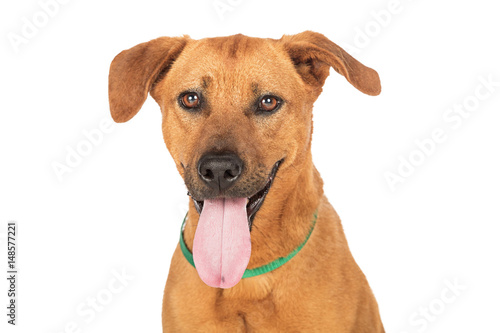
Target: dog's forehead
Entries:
(236, 62)
(235, 46)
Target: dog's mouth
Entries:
(222, 244)
(254, 202)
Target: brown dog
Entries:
(237, 120)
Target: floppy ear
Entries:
(313, 54)
(133, 72)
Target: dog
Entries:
(261, 249)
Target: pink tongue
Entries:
(221, 248)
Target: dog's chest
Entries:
(252, 315)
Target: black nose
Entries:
(220, 171)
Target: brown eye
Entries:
(269, 103)
(190, 100)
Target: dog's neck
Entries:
(284, 219)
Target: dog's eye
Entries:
(190, 100)
(269, 103)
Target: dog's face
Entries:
(230, 112)
(235, 109)
(236, 115)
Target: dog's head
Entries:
(235, 109)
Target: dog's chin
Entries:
(254, 202)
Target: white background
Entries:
(122, 206)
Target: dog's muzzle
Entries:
(222, 245)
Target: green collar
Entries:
(257, 270)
